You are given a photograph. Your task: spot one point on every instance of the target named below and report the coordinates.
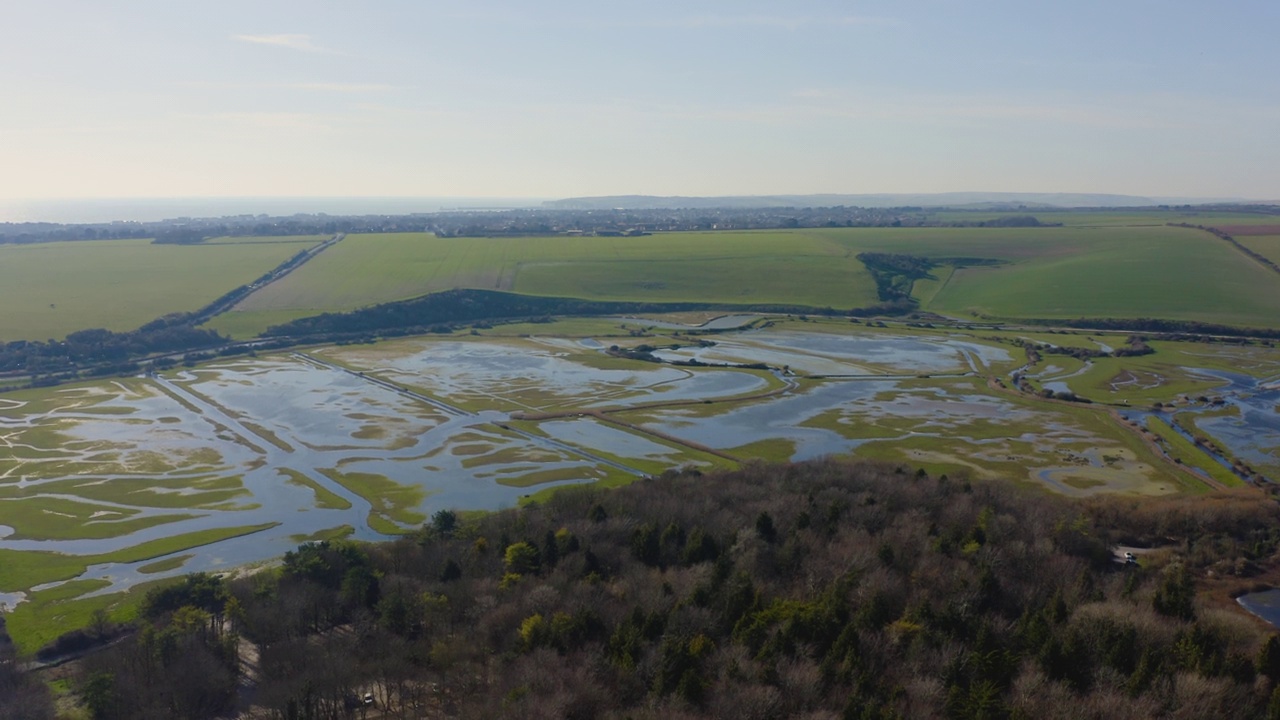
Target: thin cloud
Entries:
(787, 22)
(285, 40)
(828, 102)
(344, 87)
(265, 120)
(332, 87)
(688, 22)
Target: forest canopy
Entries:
(825, 589)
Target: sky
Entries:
(416, 98)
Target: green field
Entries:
(1138, 269)
(1268, 246)
(1103, 264)
(730, 267)
(48, 290)
(299, 241)
(1103, 218)
(1125, 272)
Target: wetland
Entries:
(106, 486)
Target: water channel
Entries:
(401, 414)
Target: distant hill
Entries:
(983, 200)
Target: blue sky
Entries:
(551, 99)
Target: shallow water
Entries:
(326, 417)
(1265, 604)
(899, 353)
(779, 418)
(317, 413)
(536, 376)
(1253, 435)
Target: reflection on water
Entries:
(536, 377)
(1253, 434)
(816, 353)
(250, 419)
(270, 414)
(780, 418)
(1265, 605)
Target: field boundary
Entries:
(277, 274)
(1239, 247)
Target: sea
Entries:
(106, 210)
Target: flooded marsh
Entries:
(233, 462)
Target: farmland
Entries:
(1053, 272)
(1268, 246)
(48, 290)
(1111, 265)
(1137, 272)
(731, 268)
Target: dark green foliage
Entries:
(885, 553)
(199, 590)
(325, 563)
(699, 548)
(99, 695)
(591, 567)
(645, 545)
(452, 571)
(444, 522)
(765, 528)
(459, 308)
(1268, 660)
(400, 612)
(550, 550)
(360, 587)
(895, 274)
(1176, 594)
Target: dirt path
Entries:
(250, 672)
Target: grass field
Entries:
(726, 267)
(48, 290)
(1268, 246)
(299, 241)
(1127, 272)
(1128, 266)
(1104, 218)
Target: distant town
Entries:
(552, 219)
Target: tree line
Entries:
(896, 274)
(454, 309)
(827, 589)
